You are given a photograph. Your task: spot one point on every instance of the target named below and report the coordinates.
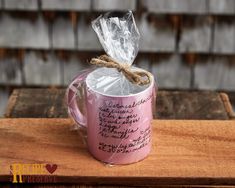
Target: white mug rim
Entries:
(120, 96)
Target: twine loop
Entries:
(141, 77)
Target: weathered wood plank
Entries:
(196, 35)
(21, 5)
(170, 105)
(50, 102)
(72, 67)
(69, 185)
(155, 37)
(40, 70)
(227, 105)
(10, 71)
(3, 101)
(90, 42)
(190, 105)
(78, 5)
(176, 6)
(11, 102)
(215, 73)
(231, 96)
(117, 5)
(224, 37)
(222, 7)
(63, 36)
(23, 33)
(171, 72)
(143, 62)
(205, 151)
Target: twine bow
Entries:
(135, 77)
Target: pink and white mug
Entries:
(118, 125)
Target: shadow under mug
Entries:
(118, 126)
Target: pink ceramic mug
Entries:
(118, 126)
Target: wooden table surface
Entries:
(187, 152)
(184, 152)
(50, 103)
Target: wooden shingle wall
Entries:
(186, 44)
(3, 102)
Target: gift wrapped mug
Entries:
(117, 98)
(118, 125)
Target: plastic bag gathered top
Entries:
(118, 36)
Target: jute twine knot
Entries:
(135, 77)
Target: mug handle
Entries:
(71, 96)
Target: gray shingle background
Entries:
(3, 101)
(63, 34)
(196, 35)
(23, 33)
(61, 5)
(170, 29)
(223, 7)
(10, 72)
(176, 6)
(21, 5)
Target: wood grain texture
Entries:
(190, 105)
(227, 105)
(23, 33)
(42, 71)
(26, 5)
(195, 35)
(115, 5)
(214, 73)
(62, 34)
(157, 37)
(50, 103)
(11, 102)
(90, 42)
(3, 101)
(38, 103)
(10, 71)
(171, 72)
(183, 153)
(224, 37)
(220, 7)
(78, 5)
(178, 6)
